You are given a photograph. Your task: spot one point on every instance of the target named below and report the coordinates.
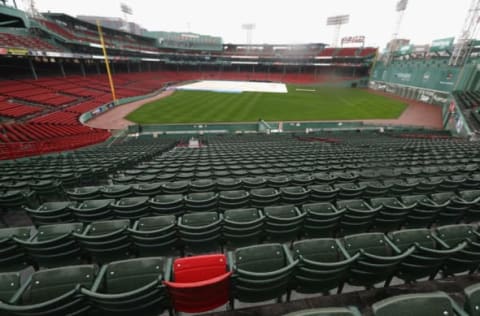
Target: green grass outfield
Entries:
(326, 103)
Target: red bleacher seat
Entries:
(16, 110)
(23, 41)
(201, 283)
(327, 52)
(347, 52)
(367, 51)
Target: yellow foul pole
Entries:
(107, 64)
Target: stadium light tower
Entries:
(31, 8)
(127, 10)
(337, 22)
(249, 28)
(469, 30)
(401, 7)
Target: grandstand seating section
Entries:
(328, 52)
(347, 52)
(469, 102)
(367, 51)
(12, 109)
(85, 36)
(26, 41)
(90, 36)
(45, 103)
(380, 204)
(145, 225)
(467, 99)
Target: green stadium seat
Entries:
(454, 210)
(374, 188)
(48, 190)
(323, 192)
(116, 191)
(379, 258)
(325, 178)
(428, 257)
(131, 207)
(185, 175)
(51, 212)
(242, 227)
(147, 189)
(176, 187)
(84, 193)
(278, 181)
(303, 180)
(203, 185)
(346, 176)
(261, 272)
(294, 195)
(417, 304)
(468, 258)
(349, 190)
(472, 181)
(233, 199)
(428, 185)
(53, 292)
(358, 217)
(472, 214)
(131, 286)
(201, 201)
(14, 200)
(12, 256)
(228, 184)
(369, 175)
(54, 245)
(146, 178)
(260, 198)
(327, 311)
(392, 213)
(323, 265)
(167, 204)
(425, 211)
(283, 223)
(453, 182)
(165, 177)
(124, 180)
(472, 299)
(9, 285)
(155, 236)
(106, 241)
(402, 186)
(322, 219)
(253, 183)
(200, 232)
(93, 210)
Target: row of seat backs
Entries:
(414, 304)
(195, 284)
(123, 287)
(237, 227)
(258, 178)
(136, 207)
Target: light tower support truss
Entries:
(337, 22)
(460, 51)
(400, 8)
(249, 28)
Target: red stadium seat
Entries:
(201, 283)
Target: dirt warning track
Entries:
(115, 118)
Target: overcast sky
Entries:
(282, 21)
